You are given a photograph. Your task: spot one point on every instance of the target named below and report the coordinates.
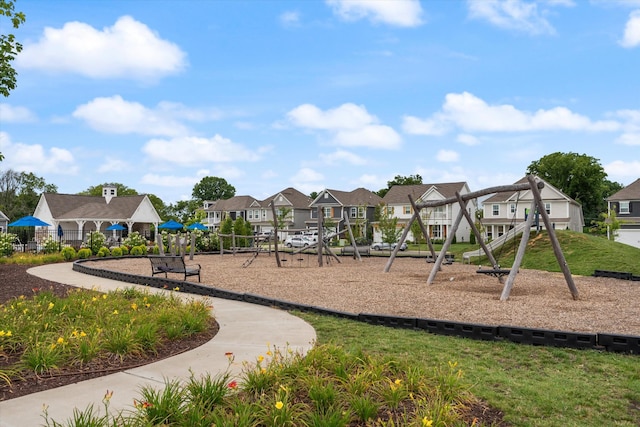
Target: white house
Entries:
(438, 220)
(504, 211)
(78, 215)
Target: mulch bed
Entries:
(16, 282)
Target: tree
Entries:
(182, 211)
(388, 224)
(9, 47)
(608, 225)
(96, 190)
(579, 176)
(20, 192)
(400, 180)
(213, 188)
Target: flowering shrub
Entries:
(84, 253)
(95, 240)
(68, 253)
(104, 252)
(50, 245)
(134, 239)
(6, 244)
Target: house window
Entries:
(354, 212)
(547, 208)
(624, 208)
(512, 208)
(360, 212)
(264, 214)
(326, 195)
(407, 209)
(495, 210)
(326, 212)
(436, 231)
(389, 210)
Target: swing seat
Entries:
(495, 272)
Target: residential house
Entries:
(438, 220)
(78, 215)
(234, 207)
(359, 204)
(4, 221)
(503, 211)
(626, 204)
(291, 204)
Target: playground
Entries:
(539, 299)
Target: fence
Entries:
(29, 241)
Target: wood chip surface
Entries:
(538, 299)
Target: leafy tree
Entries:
(388, 224)
(159, 205)
(579, 176)
(182, 211)
(96, 190)
(313, 195)
(400, 180)
(608, 225)
(226, 228)
(213, 188)
(9, 47)
(20, 192)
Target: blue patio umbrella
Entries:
(116, 227)
(171, 225)
(29, 221)
(197, 226)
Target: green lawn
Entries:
(533, 386)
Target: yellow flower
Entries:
(427, 422)
(107, 396)
(51, 305)
(134, 306)
(60, 340)
(260, 358)
(104, 296)
(398, 381)
(147, 305)
(279, 404)
(176, 288)
(94, 299)
(115, 312)
(82, 334)
(269, 353)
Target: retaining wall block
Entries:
(259, 300)
(620, 343)
(548, 337)
(391, 321)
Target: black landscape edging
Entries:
(542, 337)
(622, 275)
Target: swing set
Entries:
(533, 185)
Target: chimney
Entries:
(108, 192)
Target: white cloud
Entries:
(629, 139)
(466, 139)
(516, 15)
(10, 114)
(631, 36)
(401, 13)
(35, 158)
(447, 156)
(350, 126)
(471, 114)
(128, 49)
(170, 180)
(342, 156)
(621, 170)
(290, 18)
(115, 115)
(307, 175)
(198, 151)
(416, 126)
(111, 164)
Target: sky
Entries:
(315, 94)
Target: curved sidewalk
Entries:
(246, 330)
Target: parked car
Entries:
(387, 247)
(297, 242)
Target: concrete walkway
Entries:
(246, 330)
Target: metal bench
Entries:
(163, 264)
(448, 259)
(350, 250)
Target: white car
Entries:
(387, 246)
(297, 242)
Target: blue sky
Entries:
(333, 94)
